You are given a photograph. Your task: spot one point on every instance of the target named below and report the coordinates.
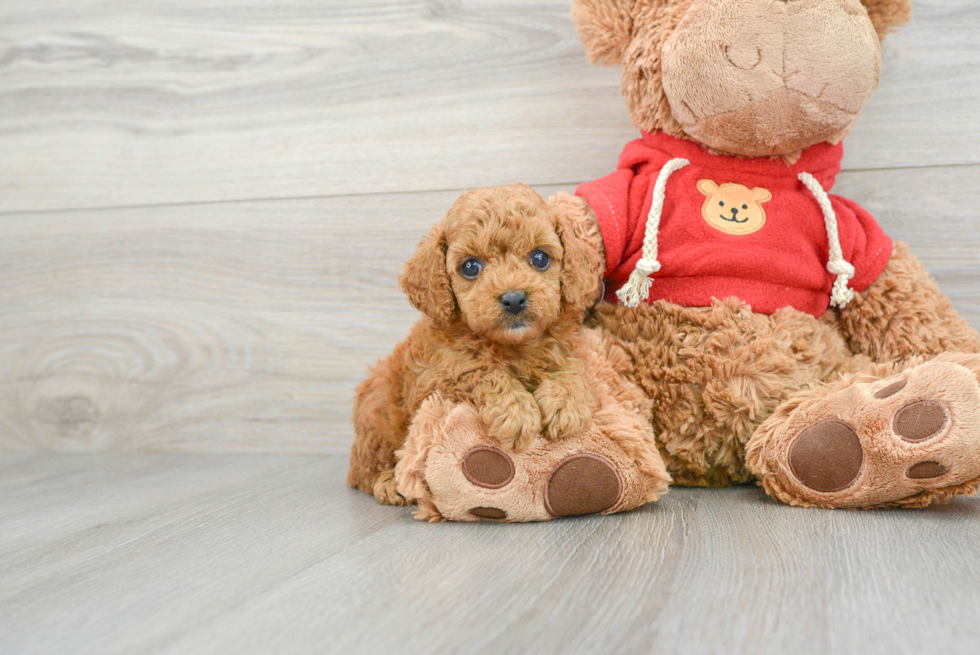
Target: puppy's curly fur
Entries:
(524, 372)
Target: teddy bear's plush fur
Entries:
(734, 390)
(522, 370)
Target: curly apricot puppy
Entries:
(503, 286)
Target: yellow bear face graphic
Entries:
(734, 208)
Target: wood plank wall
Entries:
(203, 206)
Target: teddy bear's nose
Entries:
(734, 211)
(514, 302)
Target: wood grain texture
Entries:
(271, 554)
(245, 326)
(207, 327)
(131, 102)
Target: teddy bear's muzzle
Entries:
(766, 77)
(782, 122)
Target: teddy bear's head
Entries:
(743, 77)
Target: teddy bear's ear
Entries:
(425, 280)
(761, 194)
(708, 187)
(888, 14)
(605, 28)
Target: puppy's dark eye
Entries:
(471, 268)
(540, 260)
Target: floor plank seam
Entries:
(569, 186)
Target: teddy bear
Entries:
(782, 337)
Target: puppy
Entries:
(503, 283)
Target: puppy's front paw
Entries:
(567, 422)
(566, 409)
(514, 424)
(386, 490)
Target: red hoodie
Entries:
(747, 228)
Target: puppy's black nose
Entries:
(514, 301)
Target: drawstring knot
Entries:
(637, 288)
(836, 264)
(844, 272)
(647, 268)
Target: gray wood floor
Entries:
(203, 206)
(186, 554)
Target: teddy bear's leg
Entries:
(453, 471)
(903, 434)
(904, 314)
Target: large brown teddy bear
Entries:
(781, 335)
(874, 401)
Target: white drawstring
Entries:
(836, 263)
(637, 288)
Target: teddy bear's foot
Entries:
(455, 472)
(906, 440)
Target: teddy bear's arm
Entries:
(904, 314)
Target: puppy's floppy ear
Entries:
(604, 27)
(582, 267)
(425, 280)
